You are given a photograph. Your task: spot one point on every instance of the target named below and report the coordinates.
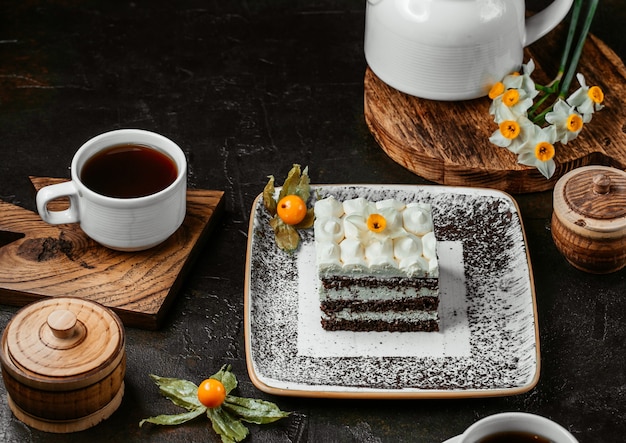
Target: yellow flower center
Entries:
(376, 223)
(510, 129)
(496, 90)
(510, 97)
(544, 151)
(574, 123)
(595, 94)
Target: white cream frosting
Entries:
(406, 247)
(329, 255)
(379, 255)
(387, 316)
(356, 206)
(354, 226)
(352, 254)
(328, 229)
(328, 207)
(390, 203)
(417, 218)
(430, 246)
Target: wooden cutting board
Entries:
(38, 260)
(447, 142)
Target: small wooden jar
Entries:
(589, 218)
(63, 364)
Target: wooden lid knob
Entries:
(62, 322)
(601, 184)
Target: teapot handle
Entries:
(545, 21)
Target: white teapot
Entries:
(451, 49)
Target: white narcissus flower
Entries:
(513, 96)
(566, 119)
(538, 150)
(511, 134)
(523, 81)
(586, 99)
(510, 105)
(373, 224)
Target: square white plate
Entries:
(488, 344)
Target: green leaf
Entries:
(291, 182)
(226, 425)
(253, 410)
(286, 236)
(182, 393)
(268, 196)
(176, 419)
(226, 376)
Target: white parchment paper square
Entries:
(453, 339)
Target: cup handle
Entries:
(546, 20)
(52, 192)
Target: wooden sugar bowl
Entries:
(63, 364)
(589, 218)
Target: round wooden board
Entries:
(448, 142)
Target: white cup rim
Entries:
(138, 136)
(517, 421)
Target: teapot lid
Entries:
(593, 198)
(64, 340)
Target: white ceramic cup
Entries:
(125, 224)
(517, 421)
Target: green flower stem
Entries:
(567, 80)
(540, 118)
(561, 83)
(570, 36)
(547, 92)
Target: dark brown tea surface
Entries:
(514, 437)
(128, 171)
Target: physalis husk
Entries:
(298, 183)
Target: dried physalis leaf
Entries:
(285, 231)
(268, 196)
(291, 182)
(308, 220)
(303, 188)
(286, 236)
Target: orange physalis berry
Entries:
(291, 209)
(211, 393)
(376, 223)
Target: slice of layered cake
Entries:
(377, 264)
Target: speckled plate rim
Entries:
(276, 386)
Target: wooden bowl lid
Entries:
(66, 341)
(593, 198)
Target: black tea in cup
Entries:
(514, 437)
(128, 171)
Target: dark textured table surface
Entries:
(247, 88)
